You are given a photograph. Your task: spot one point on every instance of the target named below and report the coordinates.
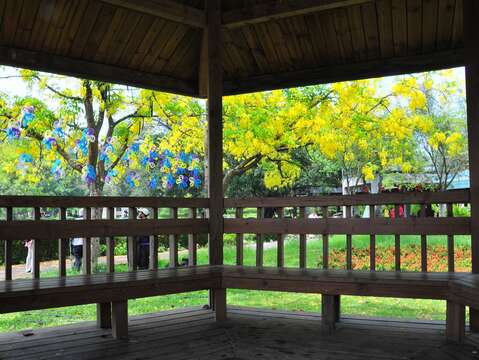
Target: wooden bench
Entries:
(333, 283)
(110, 291)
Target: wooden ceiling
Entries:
(268, 43)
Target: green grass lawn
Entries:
(350, 306)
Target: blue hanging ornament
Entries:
(58, 131)
(90, 175)
(13, 133)
(28, 116)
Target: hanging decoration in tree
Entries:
(180, 170)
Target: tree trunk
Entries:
(95, 242)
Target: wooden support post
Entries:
(450, 243)
(455, 322)
(324, 211)
(192, 242)
(280, 240)
(119, 319)
(239, 240)
(330, 312)
(110, 244)
(302, 241)
(471, 46)
(259, 240)
(397, 242)
(153, 263)
(173, 242)
(372, 241)
(86, 263)
(349, 243)
(132, 244)
(8, 249)
(474, 320)
(62, 248)
(36, 248)
(103, 315)
(212, 55)
(219, 304)
(423, 243)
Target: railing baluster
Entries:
(397, 242)
(349, 243)
(259, 240)
(62, 248)
(372, 241)
(302, 241)
(153, 263)
(36, 248)
(132, 243)
(450, 243)
(280, 241)
(87, 247)
(325, 236)
(8, 248)
(173, 241)
(423, 243)
(110, 243)
(239, 239)
(192, 241)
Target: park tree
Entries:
(436, 103)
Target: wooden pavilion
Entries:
(212, 48)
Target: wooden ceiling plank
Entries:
(122, 38)
(329, 31)
(86, 69)
(71, 28)
(240, 49)
(265, 12)
(165, 9)
(292, 43)
(168, 50)
(114, 27)
(371, 32)
(25, 24)
(360, 49)
(86, 26)
(343, 34)
(145, 47)
(312, 49)
(13, 10)
(256, 49)
(240, 67)
(279, 44)
(399, 20)
(385, 29)
(162, 37)
(134, 43)
(57, 25)
(347, 72)
(429, 24)
(42, 23)
(178, 52)
(100, 29)
(187, 66)
(445, 23)
(267, 44)
(414, 26)
(457, 32)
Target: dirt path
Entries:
(18, 270)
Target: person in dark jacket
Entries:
(143, 242)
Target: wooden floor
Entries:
(248, 334)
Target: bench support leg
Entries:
(474, 320)
(218, 302)
(455, 322)
(119, 319)
(330, 311)
(103, 315)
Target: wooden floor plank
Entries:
(247, 334)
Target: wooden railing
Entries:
(326, 225)
(61, 228)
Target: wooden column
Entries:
(471, 43)
(259, 240)
(8, 249)
(239, 240)
(36, 248)
(372, 241)
(302, 241)
(119, 319)
(173, 242)
(132, 252)
(455, 322)
(62, 248)
(330, 307)
(103, 315)
(110, 244)
(153, 263)
(212, 55)
(86, 261)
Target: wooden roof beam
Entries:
(281, 9)
(165, 9)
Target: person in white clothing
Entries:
(29, 261)
(77, 247)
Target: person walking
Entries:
(29, 261)
(77, 246)
(143, 242)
